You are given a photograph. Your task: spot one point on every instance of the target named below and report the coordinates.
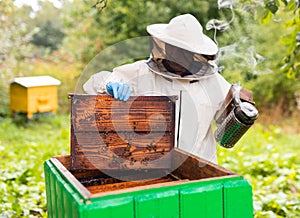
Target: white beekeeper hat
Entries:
(184, 31)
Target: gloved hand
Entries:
(119, 90)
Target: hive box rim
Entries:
(86, 195)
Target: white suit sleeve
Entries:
(97, 83)
(126, 73)
(224, 85)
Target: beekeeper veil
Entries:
(180, 50)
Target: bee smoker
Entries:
(236, 116)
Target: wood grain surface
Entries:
(112, 134)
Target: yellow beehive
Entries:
(36, 94)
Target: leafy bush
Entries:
(250, 56)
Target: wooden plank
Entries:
(106, 101)
(120, 143)
(124, 185)
(94, 183)
(93, 161)
(192, 167)
(71, 178)
(134, 126)
(127, 120)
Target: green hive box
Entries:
(179, 186)
(196, 189)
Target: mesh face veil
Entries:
(175, 62)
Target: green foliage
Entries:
(24, 148)
(251, 54)
(48, 36)
(50, 27)
(15, 34)
(103, 25)
(275, 91)
(91, 26)
(269, 160)
(14, 46)
(291, 60)
(267, 157)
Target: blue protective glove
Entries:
(119, 90)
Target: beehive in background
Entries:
(36, 94)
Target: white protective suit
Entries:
(197, 103)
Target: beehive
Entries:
(197, 188)
(101, 179)
(35, 94)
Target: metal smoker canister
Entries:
(235, 125)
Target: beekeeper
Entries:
(182, 63)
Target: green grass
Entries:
(267, 158)
(270, 161)
(24, 147)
